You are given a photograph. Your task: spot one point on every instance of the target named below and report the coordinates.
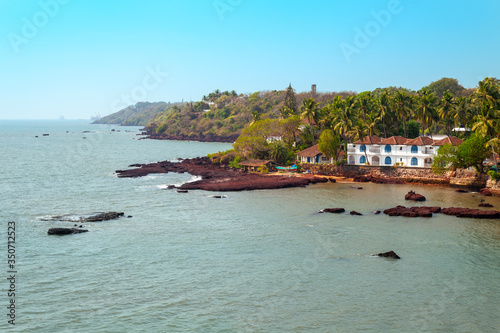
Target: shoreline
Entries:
(215, 177)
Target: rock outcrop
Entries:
(472, 213)
(414, 196)
(65, 231)
(412, 211)
(390, 254)
(332, 210)
(216, 177)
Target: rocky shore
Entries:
(216, 177)
(182, 137)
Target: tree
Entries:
(472, 153)
(426, 109)
(445, 159)
(290, 101)
(402, 107)
(252, 143)
(383, 107)
(413, 129)
(487, 121)
(364, 103)
(445, 111)
(329, 144)
(279, 152)
(309, 110)
(444, 84)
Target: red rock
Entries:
(485, 204)
(353, 212)
(414, 196)
(485, 192)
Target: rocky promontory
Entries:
(216, 177)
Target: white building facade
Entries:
(396, 150)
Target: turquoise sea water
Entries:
(259, 261)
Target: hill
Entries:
(135, 115)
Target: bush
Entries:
(494, 175)
(235, 163)
(263, 169)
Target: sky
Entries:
(76, 58)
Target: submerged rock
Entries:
(485, 204)
(414, 196)
(461, 191)
(473, 213)
(332, 210)
(65, 231)
(412, 211)
(390, 254)
(92, 217)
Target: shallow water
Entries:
(258, 261)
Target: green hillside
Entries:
(135, 115)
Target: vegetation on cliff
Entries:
(136, 115)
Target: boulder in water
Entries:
(390, 254)
(65, 231)
(332, 210)
(414, 196)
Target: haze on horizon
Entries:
(76, 59)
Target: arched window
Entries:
(362, 160)
(414, 149)
(414, 161)
(388, 161)
(388, 149)
(362, 148)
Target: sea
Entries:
(254, 261)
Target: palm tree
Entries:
(255, 117)
(383, 107)
(343, 117)
(285, 112)
(445, 110)
(462, 112)
(364, 103)
(487, 122)
(402, 107)
(309, 110)
(279, 152)
(426, 109)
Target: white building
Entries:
(396, 150)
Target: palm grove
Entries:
(335, 119)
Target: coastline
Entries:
(215, 177)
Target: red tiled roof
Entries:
(449, 139)
(370, 140)
(314, 151)
(420, 141)
(310, 152)
(394, 140)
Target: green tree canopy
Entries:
(329, 144)
(472, 153)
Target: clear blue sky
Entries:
(79, 58)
